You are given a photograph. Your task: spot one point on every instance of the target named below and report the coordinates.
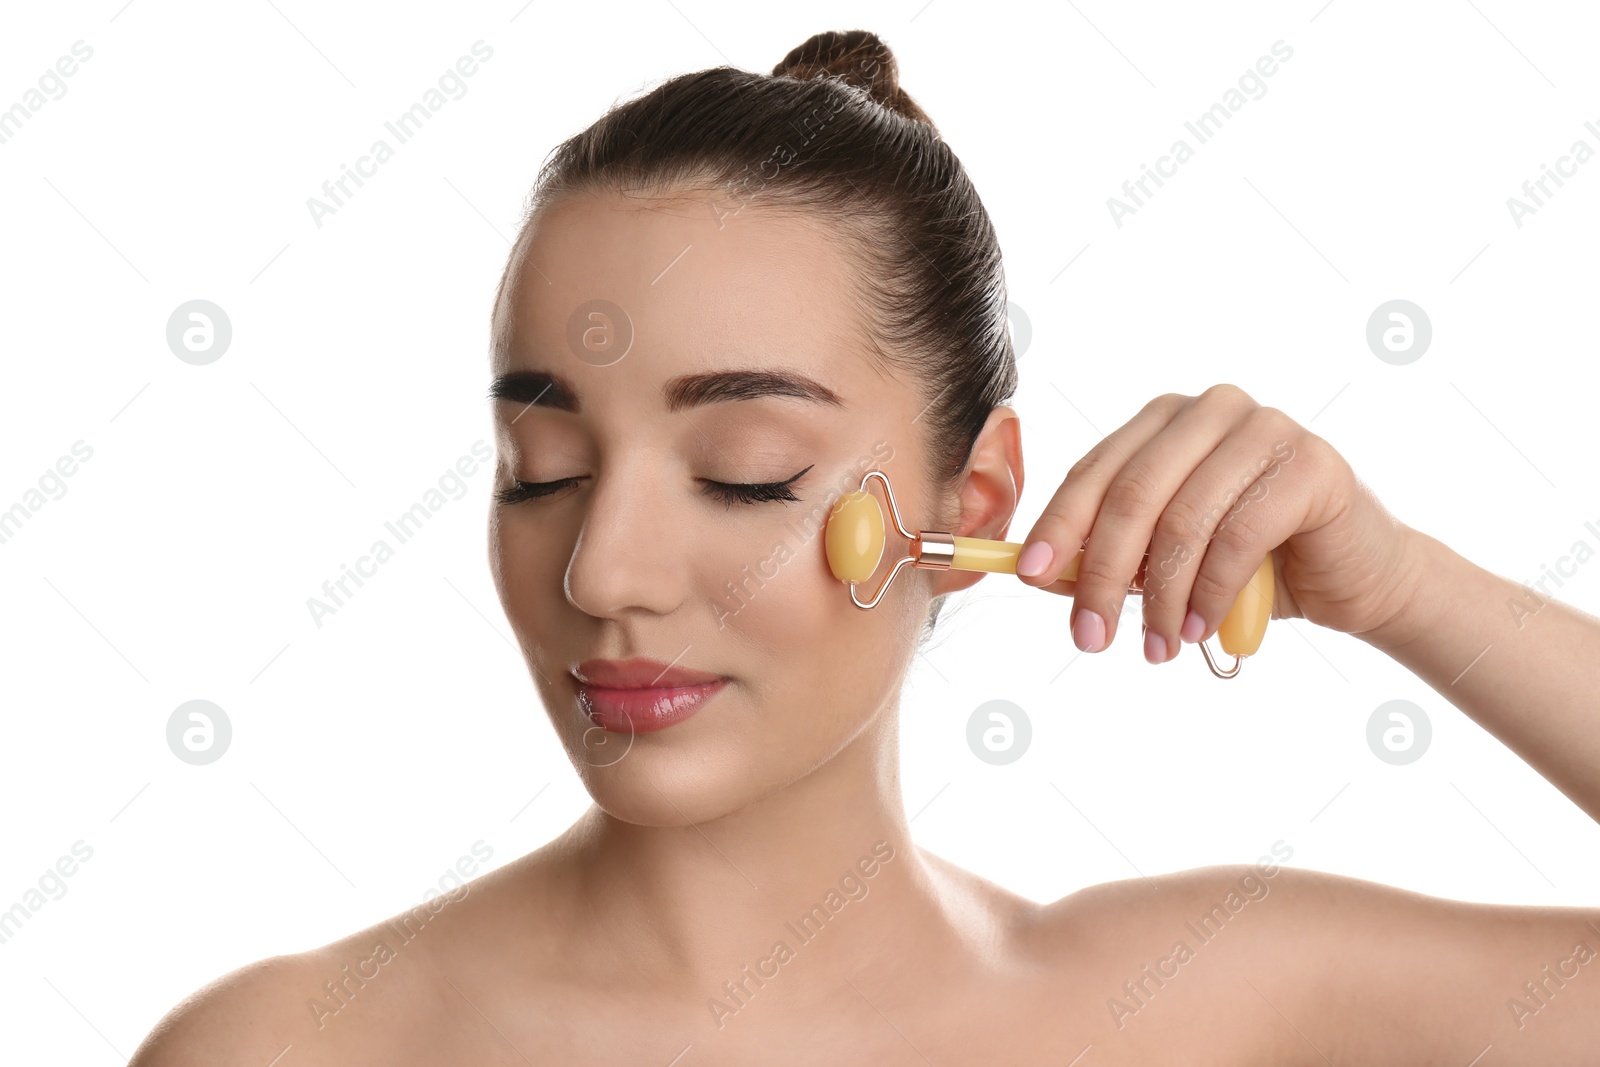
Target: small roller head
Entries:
(854, 539)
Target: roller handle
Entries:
(1239, 634)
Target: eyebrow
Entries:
(544, 389)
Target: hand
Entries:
(1207, 487)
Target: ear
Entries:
(988, 492)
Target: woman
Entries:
(731, 297)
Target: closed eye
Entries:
(730, 493)
(520, 490)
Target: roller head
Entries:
(1241, 632)
(854, 539)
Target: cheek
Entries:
(803, 643)
(525, 574)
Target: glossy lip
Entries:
(642, 711)
(641, 695)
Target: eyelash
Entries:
(729, 493)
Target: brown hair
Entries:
(830, 133)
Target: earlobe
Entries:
(989, 491)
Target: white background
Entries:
(370, 754)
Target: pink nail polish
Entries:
(1035, 558)
(1193, 627)
(1088, 631)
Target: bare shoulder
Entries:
(1187, 965)
(353, 1000)
(250, 1015)
(1110, 911)
(400, 991)
(1291, 965)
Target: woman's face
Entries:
(633, 308)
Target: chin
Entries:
(656, 779)
(662, 788)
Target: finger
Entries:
(1134, 501)
(1067, 518)
(1283, 503)
(1237, 475)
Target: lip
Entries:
(641, 695)
(642, 711)
(639, 673)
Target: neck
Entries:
(823, 867)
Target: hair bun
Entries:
(856, 57)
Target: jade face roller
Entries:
(855, 539)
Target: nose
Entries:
(631, 554)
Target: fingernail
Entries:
(1088, 631)
(1155, 647)
(1193, 627)
(1035, 559)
